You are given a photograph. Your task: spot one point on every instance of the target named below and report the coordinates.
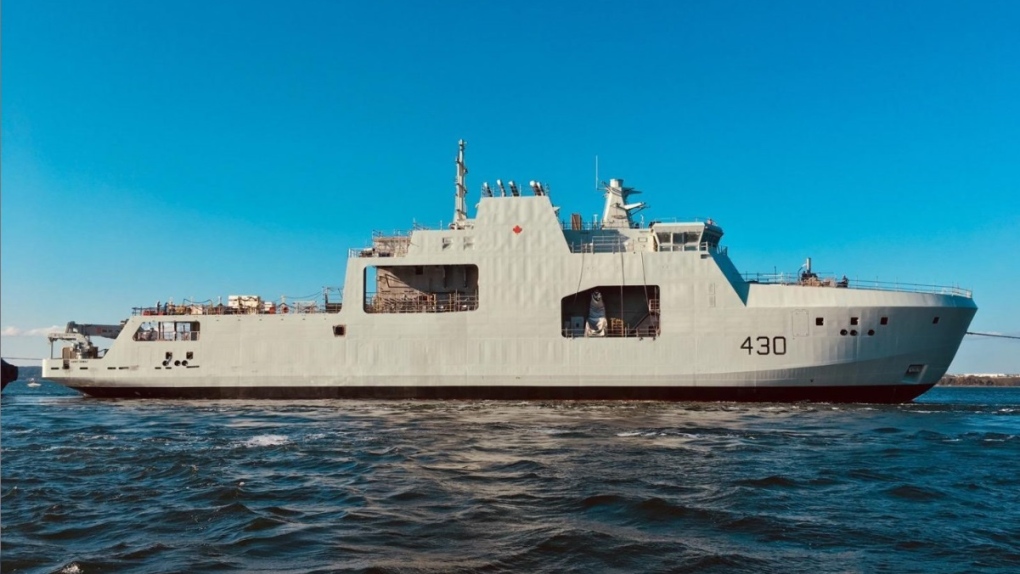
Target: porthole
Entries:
(853, 333)
(871, 332)
(842, 332)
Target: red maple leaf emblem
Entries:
(518, 229)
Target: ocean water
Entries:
(176, 486)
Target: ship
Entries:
(521, 303)
(8, 374)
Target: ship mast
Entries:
(618, 212)
(460, 199)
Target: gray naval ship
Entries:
(517, 303)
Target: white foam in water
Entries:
(266, 440)
(553, 431)
(71, 568)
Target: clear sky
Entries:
(174, 149)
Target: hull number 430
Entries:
(765, 345)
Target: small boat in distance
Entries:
(517, 303)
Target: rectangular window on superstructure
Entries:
(884, 321)
(168, 331)
(819, 321)
(339, 330)
(665, 240)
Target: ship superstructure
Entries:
(517, 303)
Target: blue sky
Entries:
(199, 149)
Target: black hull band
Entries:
(829, 394)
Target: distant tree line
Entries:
(980, 381)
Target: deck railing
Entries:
(425, 303)
(815, 281)
(596, 225)
(385, 244)
(615, 332)
(323, 304)
(616, 244)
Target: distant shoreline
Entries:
(979, 381)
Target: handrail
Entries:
(597, 225)
(384, 245)
(424, 303)
(618, 244)
(200, 310)
(262, 307)
(669, 220)
(876, 285)
(618, 333)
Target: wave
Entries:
(266, 440)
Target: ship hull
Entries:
(885, 394)
(819, 367)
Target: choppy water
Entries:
(174, 486)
